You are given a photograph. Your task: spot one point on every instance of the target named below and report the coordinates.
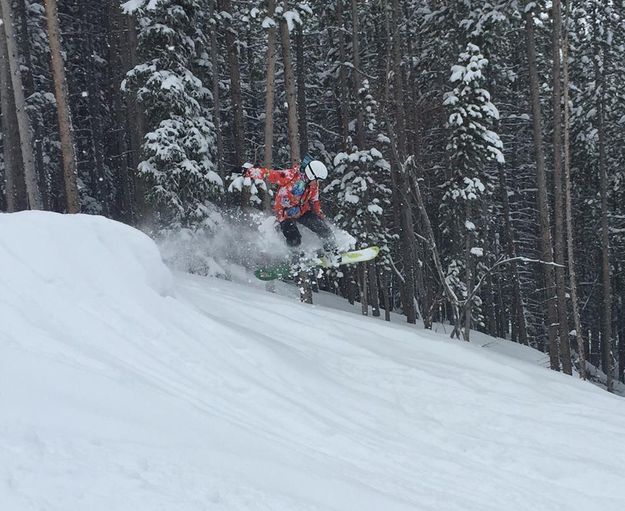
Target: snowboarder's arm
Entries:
(315, 203)
(280, 177)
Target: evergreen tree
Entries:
(361, 184)
(179, 146)
(472, 144)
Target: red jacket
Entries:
(296, 195)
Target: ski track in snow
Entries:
(124, 387)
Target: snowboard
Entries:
(285, 269)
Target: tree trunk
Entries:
(136, 125)
(568, 203)
(360, 142)
(216, 95)
(119, 150)
(301, 90)
(350, 284)
(489, 307)
(66, 131)
(565, 349)
(404, 203)
(468, 258)
(23, 122)
(541, 195)
(621, 343)
(595, 341)
(289, 83)
(41, 172)
(13, 167)
(364, 303)
(386, 295)
(99, 186)
(357, 79)
(270, 96)
(606, 333)
(374, 292)
(343, 96)
(606, 327)
(429, 233)
(235, 88)
(519, 308)
(293, 132)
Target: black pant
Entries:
(312, 222)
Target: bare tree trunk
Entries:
(289, 83)
(621, 343)
(361, 142)
(606, 327)
(565, 349)
(357, 79)
(568, 202)
(350, 284)
(13, 168)
(23, 122)
(404, 203)
(136, 124)
(595, 341)
(270, 95)
(541, 195)
(362, 270)
(235, 88)
(216, 97)
(45, 184)
(343, 97)
(454, 303)
(374, 292)
(99, 186)
(503, 320)
(606, 334)
(519, 310)
(66, 131)
(119, 150)
(468, 307)
(293, 132)
(385, 295)
(301, 91)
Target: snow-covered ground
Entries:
(124, 387)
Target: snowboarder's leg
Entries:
(293, 240)
(291, 233)
(320, 228)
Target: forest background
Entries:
(479, 143)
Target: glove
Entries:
(245, 169)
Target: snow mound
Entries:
(49, 253)
(123, 388)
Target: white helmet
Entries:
(316, 170)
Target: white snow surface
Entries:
(124, 387)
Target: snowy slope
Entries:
(124, 387)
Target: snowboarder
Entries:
(297, 200)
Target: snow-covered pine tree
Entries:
(179, 145)
(472, 143)
(439, 32)
(362, 185)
